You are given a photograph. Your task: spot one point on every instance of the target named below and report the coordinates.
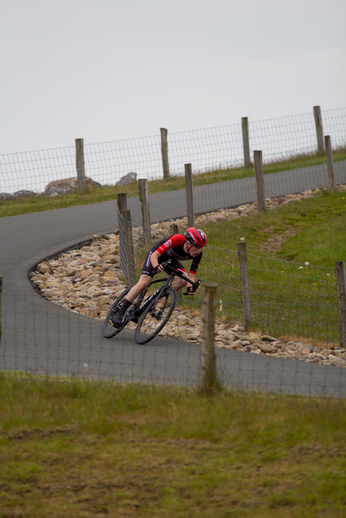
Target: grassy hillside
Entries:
(96, 449)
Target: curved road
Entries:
(40, 337)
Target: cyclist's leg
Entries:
(178, 283)
(144, 280)
(143, 283)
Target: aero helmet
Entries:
(196, 237)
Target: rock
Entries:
(110, 274)
(338, 362)
(5, 196)
(128, 178)
(85, 274)
(266, 338)
(253, 337)
(183, 320)
(23, 194)
(71, 272)
(67, 185)
(266, 348)
(44, 268)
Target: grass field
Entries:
(96, 449)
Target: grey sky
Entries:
(108, 70)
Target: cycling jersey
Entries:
(172, 248)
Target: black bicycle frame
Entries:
(139, 308)
(138, 311)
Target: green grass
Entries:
(93, 449)
(96, 195)
(310, 230)
(287, 297)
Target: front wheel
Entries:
(155, 318)
(108, 330)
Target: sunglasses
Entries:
(198, 247)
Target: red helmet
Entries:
(196, 237)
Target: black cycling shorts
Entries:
(148, 268)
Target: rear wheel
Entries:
(108, 330)
(155, 318)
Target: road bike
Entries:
(151, 313)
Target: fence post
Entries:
(189, 196)
(122, 202)
(144, 199)
(130, 254)
(164, 152)
(246, 144)
(80, 164)
(245, 282)
(319, 129)
(0, 304)
(175, 230)
(209, 375)
(341, 283)
(261, 199)
(330, 163)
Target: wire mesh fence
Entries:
(285, 299)
(208, 149)
(41, 338)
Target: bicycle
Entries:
(150, 314)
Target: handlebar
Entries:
(178, 273)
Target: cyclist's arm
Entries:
(174, 240)
(155, 260)
(193, 272)
(192, 277)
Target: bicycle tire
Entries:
(108, 330)
(151, 323)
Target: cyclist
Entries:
(178, 248)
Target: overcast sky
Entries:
(107, 70)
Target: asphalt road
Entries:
(40, 337)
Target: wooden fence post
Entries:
(246, 144)
(261, 198)
(245, 282)
(130, 254)
(144, 199)
(341, 283)
(209, 375)
(80, 165)
(122, 202)
(164, 152)
(330, 163)
(189, 196)
(319, 129)
(175, 230)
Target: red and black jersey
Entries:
(173, 248)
